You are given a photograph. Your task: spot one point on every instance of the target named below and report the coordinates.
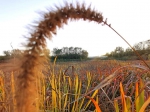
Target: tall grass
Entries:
(63, 89)
(94, 88)
(26, 90)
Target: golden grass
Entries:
(65, 93)
(60, 90)
(26, 83)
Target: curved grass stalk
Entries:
(147, 102)
(35, 57)
(139, 56)
(95, 104)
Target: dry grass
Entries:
(29, 89)
(26, 90)
(67, 87)
(10, 65)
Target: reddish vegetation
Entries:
(27, 87)
(114, 71)
(10, 65)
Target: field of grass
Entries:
(32, 84)
(89, 86)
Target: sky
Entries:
(128, 17)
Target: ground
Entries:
(9, 65)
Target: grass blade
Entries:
(116, 105)
(95, 104)
(123, 98)
(142, 109)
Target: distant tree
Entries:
(57, 51)
(112, 54)
(84, 54)
(119, 51)
(149, 57)
(139, 46)
(70, 53)
(107, 54)
(71, 50)
(143, 48)
(7, 53)
(147, 45)
(16, 53)
(128, 52)
(13, 53)
(65, 50)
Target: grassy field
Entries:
(32, 84)
(89, 86)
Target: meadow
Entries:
(33, 84)
(89, 86)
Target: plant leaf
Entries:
(95, 104)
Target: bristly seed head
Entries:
(36, 45)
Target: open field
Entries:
(87, 86)
(32, 84)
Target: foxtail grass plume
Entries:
(27, 92)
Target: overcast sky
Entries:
(131, 18)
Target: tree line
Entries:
(77, 53)
(69, 53)
(65, 53)
(143, 48)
